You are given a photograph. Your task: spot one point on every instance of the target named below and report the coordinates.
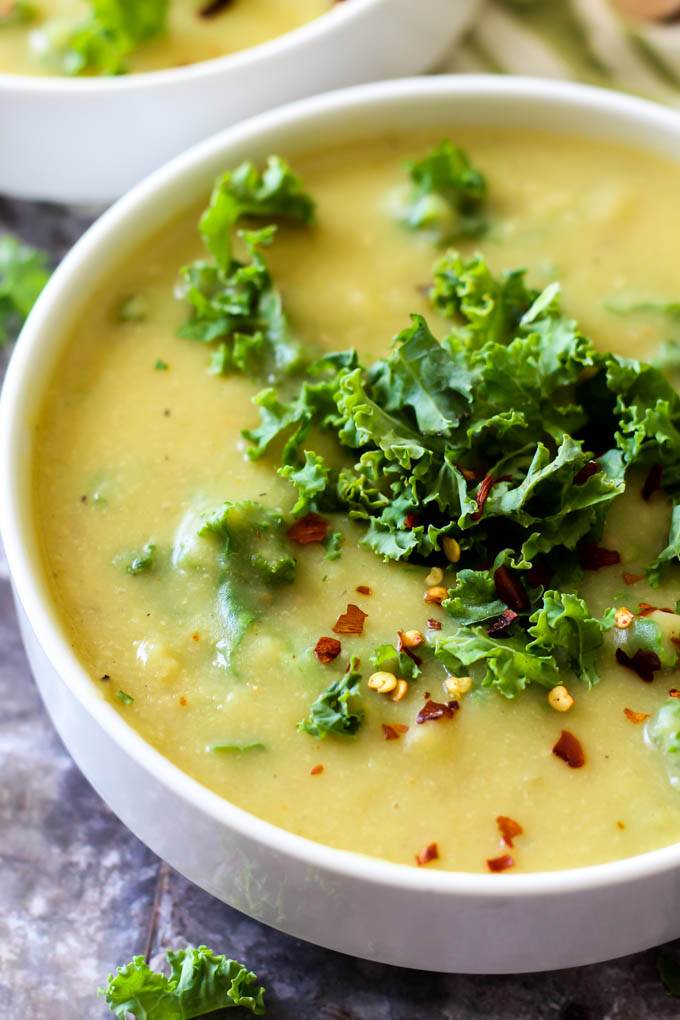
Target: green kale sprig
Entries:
(199, 983)
(447, 195)
(23, 274)
(514, 432)
(101, 42)
(234, 302)
(335, 710)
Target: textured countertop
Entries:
(79, 894)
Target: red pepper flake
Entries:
(586, 472)
(539, 575)
(213, 7)
(401, 647)
(182, 700)
(327, 649)
(389, 732)
(508, 828)
(632, 578)
(635, 717)
(510, 589)
(620, 825)
(569, 749)
(592, 556)
(483, 491)
(644, 663)
(433, 624)
(316, 770)
(196, 636)
(310, 528)
(507, 617)
(501, 863)
(363, 589)
(411, 520)
(399, 727)
(652, 481)
(646, 610)
(434, 710)
(427, 854)
(674, 693)
(351, 621)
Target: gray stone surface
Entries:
(79, 894)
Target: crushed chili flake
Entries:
(363, 589)
(569, 749)
(538, 575)
(351, 621)
(635, 717)
(310, 528)
(620, 825)
(195, 636)
(182, 700)
(389, 732)
(501, 863)
(592, 556)
(435, 710)
(213, 7)
(503, 621)
(510, 589)
(623, 618)
(411, 520)
(645, 609)
(674, 693)
(427, 854)
(469, 474)
(652, 481)
(433, 624)
(483, 491)
(401, 647)
(586, 472)
(644, 663)
(632, 578)
(327, 649)
(508, 829)
(399, 727)
(316, 770)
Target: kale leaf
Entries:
(514, 428)
(233, 301)
(143, 561)
(564, 627)
(447, 196)
(199, 983)
(255, 560)
(23, 274)
(334, 711)
(100, 43)
(275, 193)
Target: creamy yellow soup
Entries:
(188, 38)
(128, 453)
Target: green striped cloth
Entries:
(583, 40)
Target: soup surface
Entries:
(137, 439)
(32, 46)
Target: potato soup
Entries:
(216, 607)
(60, 36)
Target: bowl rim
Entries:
(43, 616)
(279, 45)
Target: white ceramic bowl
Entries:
(88, 140)
(369, 908)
